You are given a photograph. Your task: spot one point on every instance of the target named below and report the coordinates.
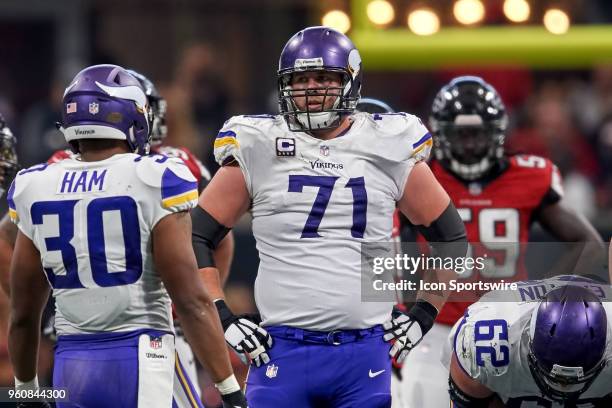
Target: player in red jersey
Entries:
(223, 254)
(499, 197)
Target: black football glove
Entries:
(244, 334)
(407, 329)
(234, 400)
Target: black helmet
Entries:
(469, 121)
(158, 105)
(8, 156)
(371, 105)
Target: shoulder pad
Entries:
(239, 134)
(19, 185)
(178, 187)
(191, 161)
(407, 131)
(531, 161)
(10, 198)
(482, 342)
(539, 169)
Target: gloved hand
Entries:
(396, 368)
(408, 329)
(244, 334)
(235, 399)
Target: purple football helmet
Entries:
(158, 105)
(319, 49)
(106, 102)
(8, 156)
(567, 342)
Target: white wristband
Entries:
(26, 385)
(227, 386)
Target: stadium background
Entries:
(214, 59)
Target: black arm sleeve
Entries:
(446, 234)
(205, 236)
(462, 400)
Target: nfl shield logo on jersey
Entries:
(324, 150)
(156, 343)
(271, 371)
(475, 189)
(94, 108)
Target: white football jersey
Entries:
(491, 348)
(92, 223)
(314, 202)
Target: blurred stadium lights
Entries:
(397, 48)
(556, 21)
(423, 21)
(380, 12)
(337, 19)
(469, 12)
(517, 11)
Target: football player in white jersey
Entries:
(547, 344)
(186, 378)
(321, 182)
(111, 232)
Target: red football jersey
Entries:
(395, 232)
(499, 211)
(62, 155)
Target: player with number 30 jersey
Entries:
(108, 231)
(113, 203)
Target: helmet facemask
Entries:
(321, 108)
(469, 149)
(562, 383)
(158, 107)
(469, 121)
(159, 130)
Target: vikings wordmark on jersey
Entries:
(320, 203)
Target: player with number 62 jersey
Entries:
(545, 344)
